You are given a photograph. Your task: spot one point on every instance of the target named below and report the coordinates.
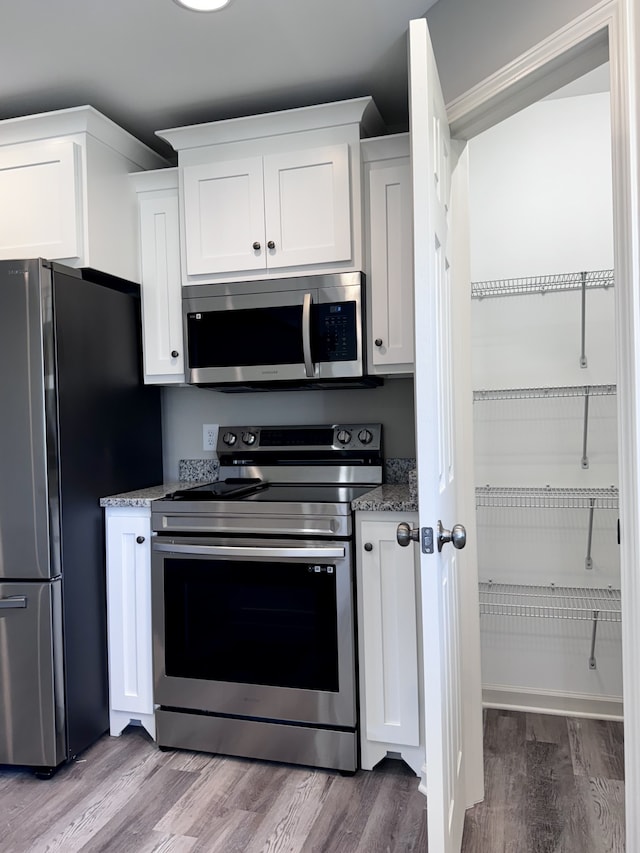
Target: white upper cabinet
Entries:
(283, 210)
(274, 194)
(389, 255)
(64, 192)
(44, 182)
(163, 352)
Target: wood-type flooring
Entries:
(553, 785)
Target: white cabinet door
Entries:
(388, 603)
(128, 540)
(161, 287)
(224, 216)
(40, 200)
(391, 266)
(308, 206)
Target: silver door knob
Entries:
(378, 342)
(457, 536)
(271, 245)
(174, 353)
(256, 245)
(405, 534)
(139, 539)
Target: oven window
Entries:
(253, 623)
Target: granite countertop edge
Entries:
(387, 498)
(145, 497)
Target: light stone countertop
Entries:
(387, 498)
(145, 497)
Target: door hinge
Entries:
(427, 540)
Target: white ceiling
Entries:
(150, 64)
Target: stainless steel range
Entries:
(253, 597)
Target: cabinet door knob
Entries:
(174, 353)
(139, 539)
(378, 342)
(271, 245)
(256, 245)
(368, 546)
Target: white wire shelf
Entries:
(550, 602)
(543, 393)
(542, 284)
(546, 497)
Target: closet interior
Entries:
(545, 426)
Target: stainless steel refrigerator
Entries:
(76, 424)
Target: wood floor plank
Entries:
(286, 826)
(131, 826)
(95, 783)
(231, 832)
(597, 748)
(382, 831)
(549, 728)
(605, 817)
(158, 842)
(204, 799)
(346, 810)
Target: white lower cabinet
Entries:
(388, 624)
(128, 542)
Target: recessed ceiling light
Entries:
(203, 5)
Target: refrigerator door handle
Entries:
(13, 603)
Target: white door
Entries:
(438, 478)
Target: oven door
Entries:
(261, 629)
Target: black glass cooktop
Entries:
(258, 490)
(231, 488)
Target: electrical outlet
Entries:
(209, 436)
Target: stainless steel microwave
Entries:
(303, 332)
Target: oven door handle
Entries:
(251, 551)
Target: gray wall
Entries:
(185, 410)
(474, 38)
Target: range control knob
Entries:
(249, 438)
(365, 436)
(229, 438)
(344, 436)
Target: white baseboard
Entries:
(542, 702)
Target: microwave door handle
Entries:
(309, 367)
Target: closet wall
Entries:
(545, 408)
